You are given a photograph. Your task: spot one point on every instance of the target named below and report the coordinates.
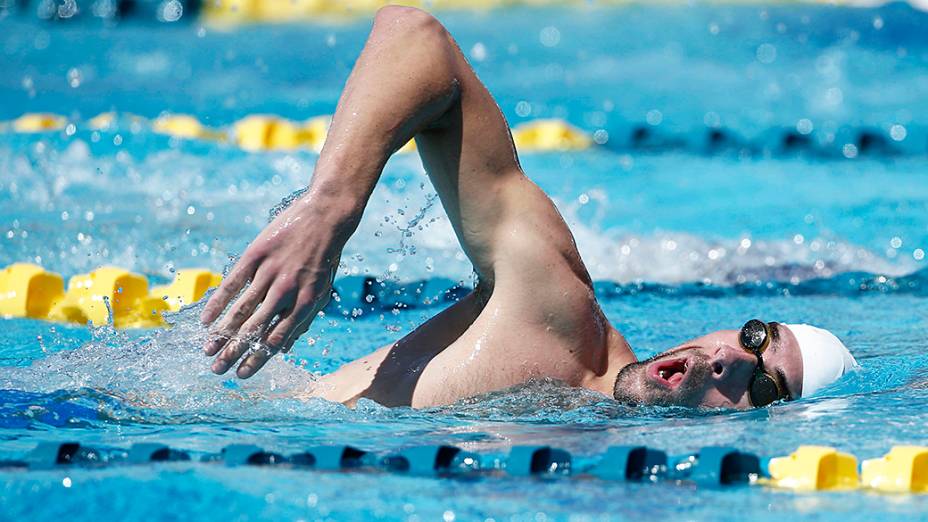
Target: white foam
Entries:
(405, 234)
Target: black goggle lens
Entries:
(763, 390)
(754, 338)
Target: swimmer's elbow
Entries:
(416, 29)
(409, 18)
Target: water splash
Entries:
(164, 370)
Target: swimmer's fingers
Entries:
(249, 334)
(280, 338)
(241, 311)
(243, 271)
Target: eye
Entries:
(781, 382)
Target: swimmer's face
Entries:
(712, 371)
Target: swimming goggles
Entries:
(763, 389)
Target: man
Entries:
(533, 313)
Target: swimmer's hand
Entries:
(286, 274)
(464, 142)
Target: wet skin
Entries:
(534, 313)
(711, 371)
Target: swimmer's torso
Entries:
(537, 318)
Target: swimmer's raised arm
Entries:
(411, 80)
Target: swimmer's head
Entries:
(721, 370)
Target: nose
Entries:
(732, 365)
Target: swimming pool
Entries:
(759, 161)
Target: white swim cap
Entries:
(824, 357)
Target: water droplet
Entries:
(654, 117)
(766, 53)
(549, 36)
(67, 9)
(478, 52)
(897, 132)
(74, 78)
(804, 126)
(170, 11)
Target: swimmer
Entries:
(533, 313)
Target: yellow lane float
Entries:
(265, 132)
(39, 122)
(102, 121)
(91, 297)
(814, 468)
(188, 287)
(184, 126)
(549, 135)
(27, 290)
(903, 470)
(232, 12)
(316, 129)
(409, 147)
(262, 132)
(106, 295)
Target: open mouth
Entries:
(668, 372)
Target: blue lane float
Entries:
(630, 463)
(718, 466)
(145, 452)
(332, 458)
(250, 455)
(48, 455)
(538, 461)
(432, 460)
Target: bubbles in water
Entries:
(766, 53)
(549, 36)
(804, 126)
(833, 96)
(74, 77)
(897, 132)
(170, 11)
(478, 52)
(654, 117)
(67, 9)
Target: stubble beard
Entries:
(633, 387)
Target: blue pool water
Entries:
(685, 233)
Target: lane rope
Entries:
(904, 469)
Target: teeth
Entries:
(663, 374)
